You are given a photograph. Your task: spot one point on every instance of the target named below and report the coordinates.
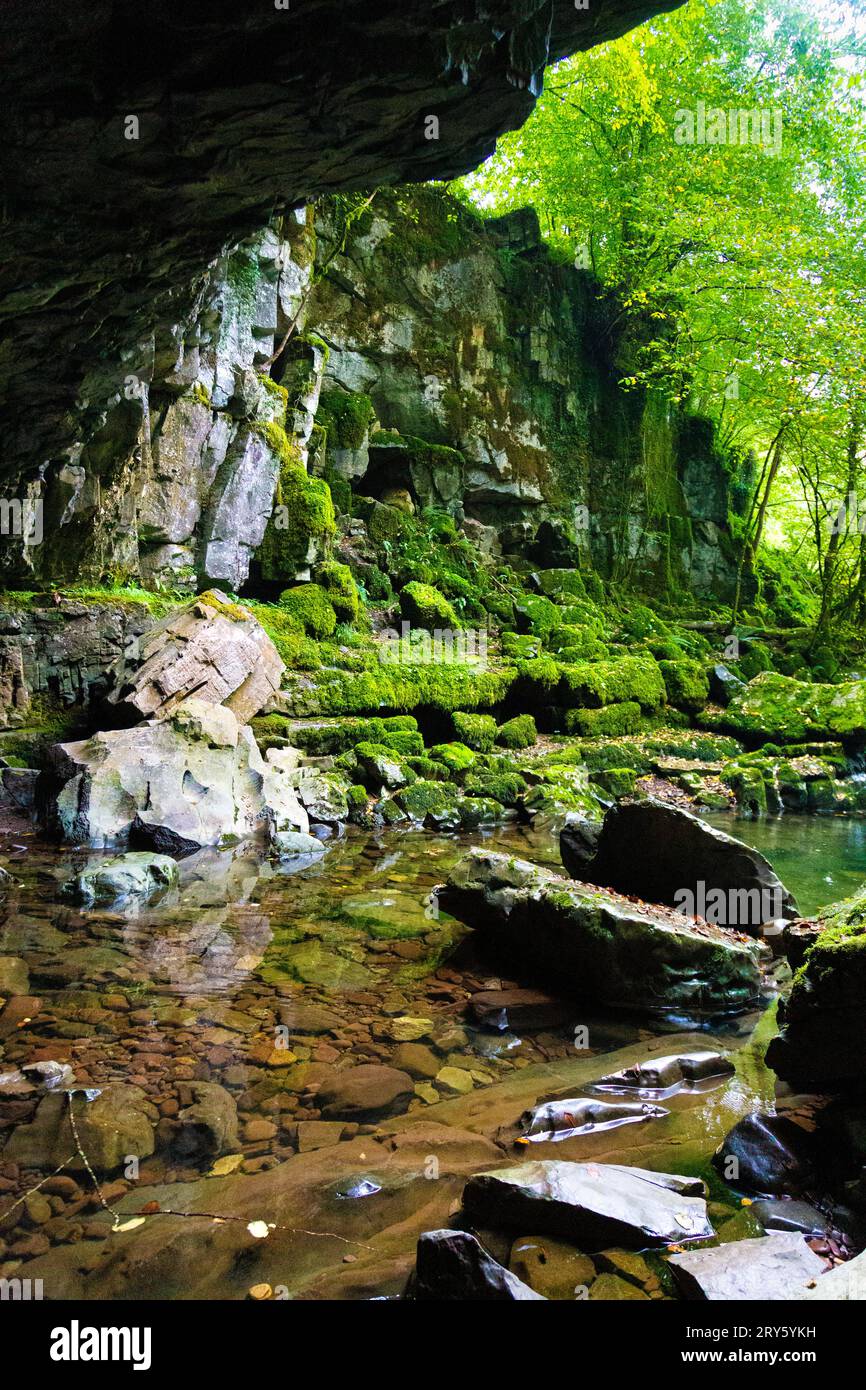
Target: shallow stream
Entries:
(208, 985)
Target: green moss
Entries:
(279, 397)
(406, 742)
(455, 756)
(425, 798)
(616, 781)
(505, 787)
(303, 518)
(631, 678)
(338, 583)
(423, 606)
(476, 731)
(519, 732)
(538, 615)
(310, 607)
(347, 416)
(686, 683)
(609, 721)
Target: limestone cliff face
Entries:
(408, 347)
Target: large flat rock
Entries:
(769, 1269)
(593, 943)
(593, 1204)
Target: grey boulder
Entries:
(594, 1204)
(453, 1265)
(769, 1268)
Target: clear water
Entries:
(819, 858)
(192, 988)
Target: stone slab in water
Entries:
(598, 945)
(771, 1268)
(594, 1204)
(661, 1073)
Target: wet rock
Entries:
(365, 1092)
(792, 1216)
(292, 844)
(14, 975)
(846, 1283)
(519, 1009)
(300, 1017)
(724, 684)
(551, 1267)
(192, 779)
(595, 1205)
(767, 1153)
(209, 1126)
(319, 1134)
(578, 844)
(598, 945)
(769, 1269)
(416, 1059)
(562, 1118)
(686, 864)
(454, 1265)
(663, 1073)
(112, 1127)
(212, 649)
(822, 1043)
(455, 1081)
(138, 874)
(16, 1011)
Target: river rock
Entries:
(792, 1216)
(578, 843)
(174, 785)
(453, 1265)
(598, 945)
(769, 1269)
(822, 1043)
(551, 1267)
(113, 1126)
(560, 1119)
(365, 1092)
(593, 1204)
(767, 1153)
(212, 649)
(209, 1126)
(662, 1073)
(663, 854)
(137, 874)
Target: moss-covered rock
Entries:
(422, 605)
(476, 731)
(616, 781)
(789, 710)
(519, 732)
(347, 416)
(610, 721)
(822, 1045)
(423, 799)
(303, 522)
(505, 787)
(455, 756)
(686, 683)
(342, 591)
(311, 608)
(537, 614)
(630, 678)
